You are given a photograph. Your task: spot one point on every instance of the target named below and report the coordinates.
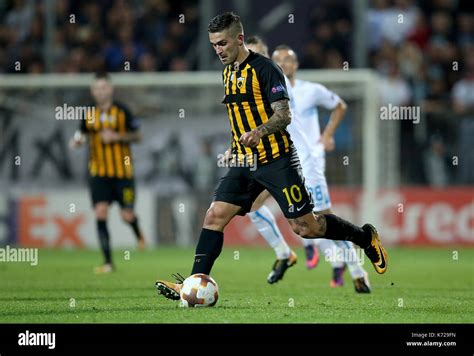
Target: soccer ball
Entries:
(199, 290)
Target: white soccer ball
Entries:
(199, 290)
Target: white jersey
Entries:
(304, 129)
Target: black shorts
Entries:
(283, 178)
(104, 189)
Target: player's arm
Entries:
(133, 133)
(77, 140)
(320, 96)
(280, 119)
(225, 158)
(337, 115)
(80, 136)
(228, 153)
(228, 156)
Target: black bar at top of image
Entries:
(119, 338)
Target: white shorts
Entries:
(316, 184)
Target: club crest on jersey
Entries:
(108, 118)
(240, 82)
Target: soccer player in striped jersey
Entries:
(257, 103)
(110, 129)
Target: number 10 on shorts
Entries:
(293, 195)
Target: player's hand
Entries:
(250, 139)
(328, 143)
(226, 158)
(74, 144)
(76, 141)
(109, 136)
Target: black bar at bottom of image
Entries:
(73, 338)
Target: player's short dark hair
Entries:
(227, 20)
(102, 75)
(255, 40)
(285, 47)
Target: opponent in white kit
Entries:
(311, 145)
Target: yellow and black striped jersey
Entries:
(249, 89)
(112, 160)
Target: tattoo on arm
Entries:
(321, 220)
(280, 119)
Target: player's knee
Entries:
(306, 233)
(215, 216)
(100, 215)
(127, 216)
(296, 227)
(101, 212)
(303, 229)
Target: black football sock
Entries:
(135, 228)
(208, 249)
(340, 229)
(104, 240)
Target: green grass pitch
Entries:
(420, 286)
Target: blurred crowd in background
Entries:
(99, 35)
(427, 62)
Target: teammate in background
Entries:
(110, 129)
(256, 100)
(310, 146)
